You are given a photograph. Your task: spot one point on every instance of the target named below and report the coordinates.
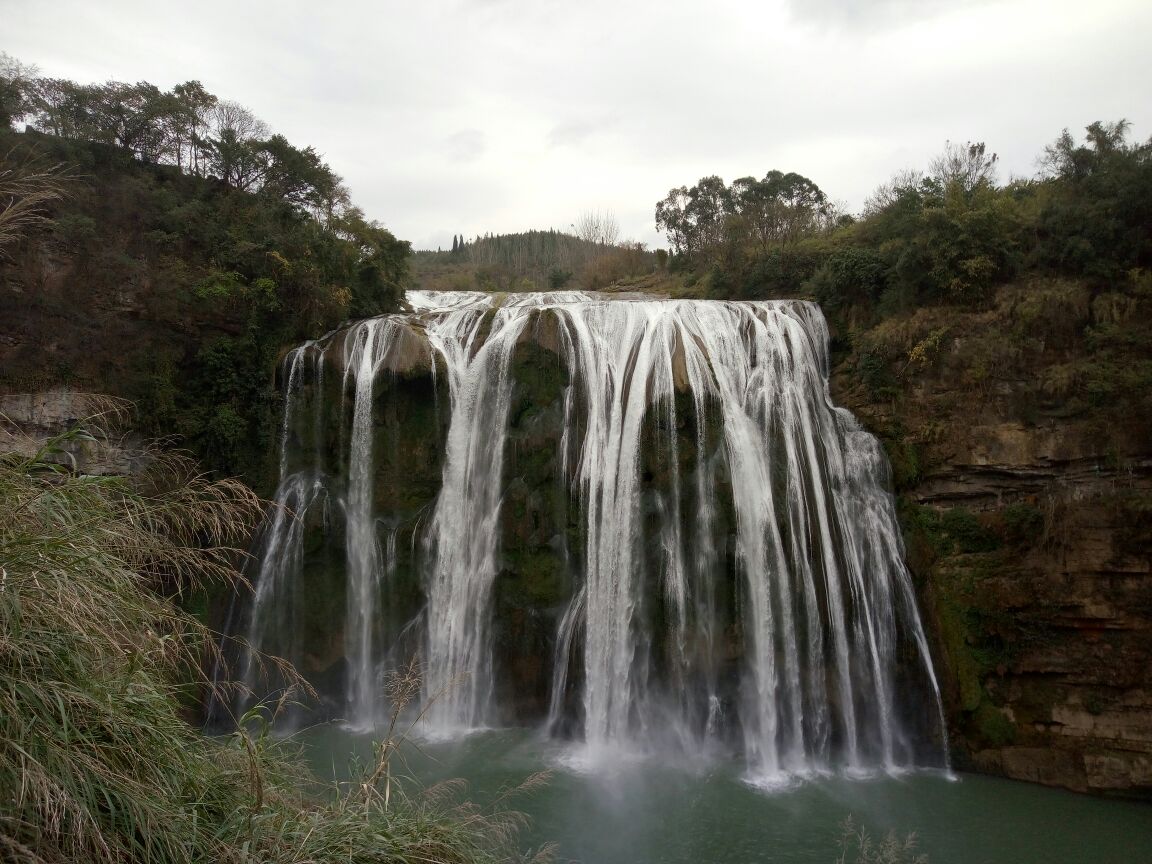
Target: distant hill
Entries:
(531, 261)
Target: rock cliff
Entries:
(1026, 501)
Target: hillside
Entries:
(177, 292)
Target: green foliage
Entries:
(76, 231)
(874, 371)
(904, 458)
(710, 220)
(964, 530)
(959, 638)
(991, 726)
(219, 278)
(969, 240)
(751, 274)
(1095, 218)
(960, 531)
(187, 127)
(849, 276)
(558, 278)
(949, 237)
(219, 286)
(942, 243)
(1021, 524)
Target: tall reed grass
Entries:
(97, 761)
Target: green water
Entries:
(645, 812)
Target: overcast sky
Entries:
(503, 115)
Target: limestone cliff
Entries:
(1023, 453)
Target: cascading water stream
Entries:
(751, 590)
(275, 613)
(363, 347)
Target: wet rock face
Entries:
(1030, 540)
(539, 524)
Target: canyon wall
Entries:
(1026, 499)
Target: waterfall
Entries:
(363, 347)
(274, 620)
(462, 535)
(737, 576)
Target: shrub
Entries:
(1023, 524)
(849, 276)
(966, 531)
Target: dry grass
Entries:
(97, 763)
(858, 847)
(27, 192)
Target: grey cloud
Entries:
(467, 145)
(606, 104)
(871, 14)
(576, 132)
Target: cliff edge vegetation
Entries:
(185, 245)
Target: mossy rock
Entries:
(990, 726)
(539, 378)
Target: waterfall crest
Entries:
(732, 558)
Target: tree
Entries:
(596, 226)
(904, 183)
(189, 123)
(1065, 159)
(379, 262)
(131, 115)
(66, 109)
(237, 133)
(693, 219)
(1099, 204)
(16, 81)
(968, 166)
(781, 208)
(299, 177)
(672, 219)
(708, 204)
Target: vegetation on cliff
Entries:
(948, 235)
(192, 245)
